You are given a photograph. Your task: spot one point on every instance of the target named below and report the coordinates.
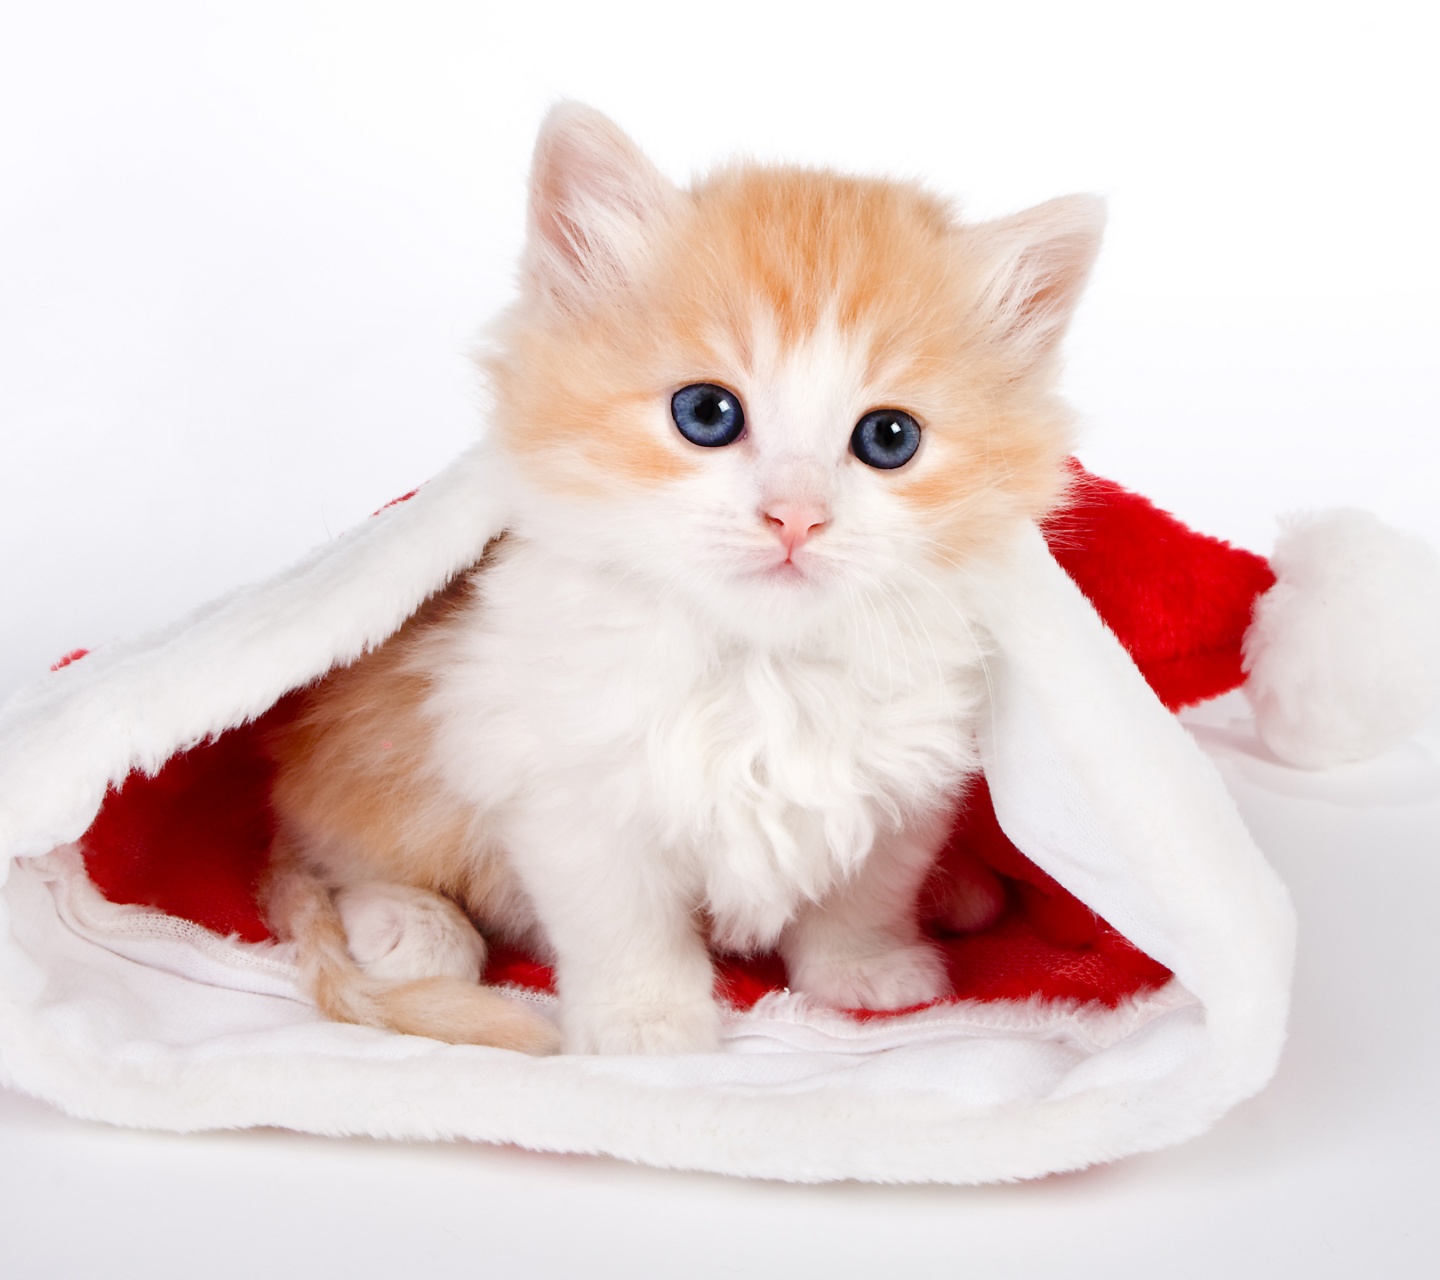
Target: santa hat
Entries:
(1133, 988)
(1336, 640)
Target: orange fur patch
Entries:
(355, 783)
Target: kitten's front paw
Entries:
(641, 1028)
(974, 899)
(896, 977)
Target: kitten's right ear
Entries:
(594, 201)
(1035, 266)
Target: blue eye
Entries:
(707, 415)
(885, 438)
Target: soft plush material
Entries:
(1134, 990)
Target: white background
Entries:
(244, 250)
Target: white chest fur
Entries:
(752, 777)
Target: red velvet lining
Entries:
(193, 839)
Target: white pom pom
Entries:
(1343, 652)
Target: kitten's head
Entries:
(782, 384)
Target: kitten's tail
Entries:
(301, 908)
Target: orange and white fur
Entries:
(717, 692)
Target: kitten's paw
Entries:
(895, 977)
(642, 1028)
(398, 933)
(975, 898)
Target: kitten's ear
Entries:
(1035, 265)
(594, 199)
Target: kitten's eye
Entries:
(885, 438)
(707, 415)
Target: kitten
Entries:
(718, 682)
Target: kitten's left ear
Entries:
(594, 201)
(1035, 265)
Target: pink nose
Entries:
(795, 523)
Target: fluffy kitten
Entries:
(718, 680)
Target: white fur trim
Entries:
(118, 1015)
(135, 704)
(1343, 654)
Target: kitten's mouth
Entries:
(788, 570)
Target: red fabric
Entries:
(1179, 601)
(193, 839)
